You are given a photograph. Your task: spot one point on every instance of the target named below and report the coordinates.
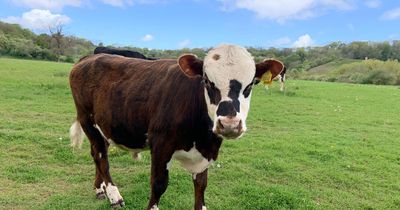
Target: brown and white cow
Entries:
(267, 81)
(178, 109)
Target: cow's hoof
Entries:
(118, 204)
(100, 195)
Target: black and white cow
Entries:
(179, 109)
(126, 53)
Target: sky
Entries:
(175, 24)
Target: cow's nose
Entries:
(227, 108)
(229, 127)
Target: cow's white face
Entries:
(229, 73)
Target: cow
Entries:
(281, 77)
(177, 108)
(126, 53)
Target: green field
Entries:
(318, 146)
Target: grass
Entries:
(318, 146)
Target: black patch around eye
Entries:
(247, 90)
(213, 92)
(236, 104)
(234, 89)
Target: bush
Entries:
(367, 72)
(378, 77)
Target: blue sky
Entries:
(173, 24)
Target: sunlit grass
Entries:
(316, 146)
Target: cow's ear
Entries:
(190, 65)
(268, 70)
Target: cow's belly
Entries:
(192, 160)
(133, 143)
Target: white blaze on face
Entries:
(225, 64)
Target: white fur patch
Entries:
(102, 134)
(154, 207)
(101, 189)
(211, 108)
(235, 62)
(113, 193)
(204, 208)
(169, 164)
(192, 160)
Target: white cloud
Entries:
(47, 4)
(124, 3)
(38, 19)
(115, 3)
(392, 14)
(184, 43)
(287, 9)
(303, 41)
(373, 3)
(147, 37)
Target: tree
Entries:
(58, 41)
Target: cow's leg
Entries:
(282, 80)
(160, 156)
(99, 151)
(136, 155)
(200, 184)
(100, 192)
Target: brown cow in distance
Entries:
(178, 109)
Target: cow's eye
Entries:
(247, 90)
(207, 83)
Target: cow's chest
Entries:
(192, 160)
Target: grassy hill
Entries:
(355, 71)
(318, 146)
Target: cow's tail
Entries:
(76, 135)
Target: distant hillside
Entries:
(369, 71)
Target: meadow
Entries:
(318, 145)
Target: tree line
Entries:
(16, 41)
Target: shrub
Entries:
(379, 77)
(367, 72)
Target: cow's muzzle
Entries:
(229, 127)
